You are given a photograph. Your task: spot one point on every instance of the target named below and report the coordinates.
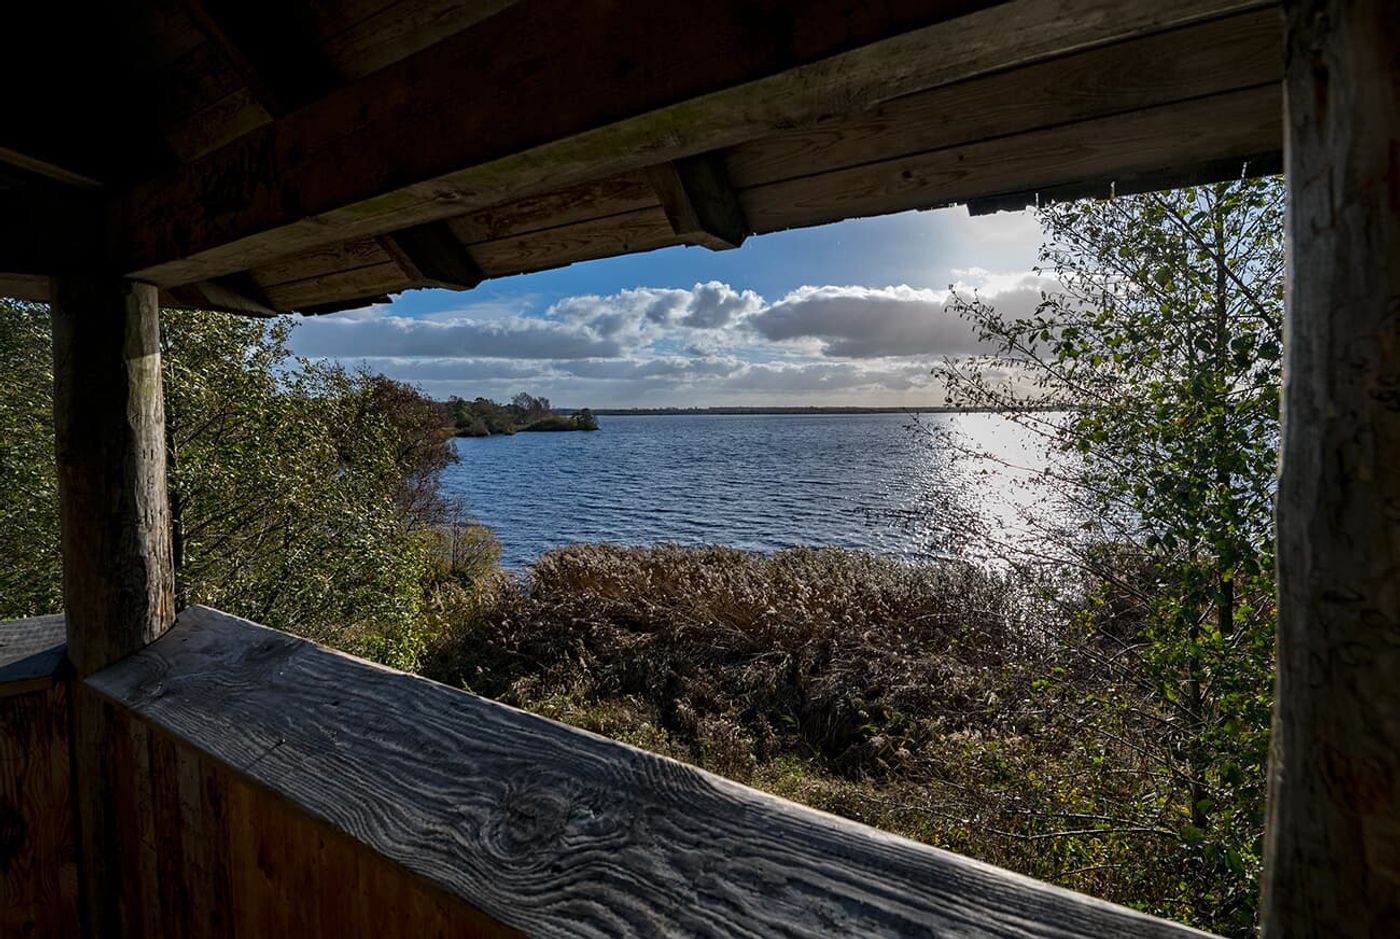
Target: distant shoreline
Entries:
(785, 411)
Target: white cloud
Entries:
(709, 343)
(512, 337)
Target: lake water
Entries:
(758, 482)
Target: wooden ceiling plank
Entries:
(614, 195)
(1056, 92)
(629, 233)
(1130, 148)
(340, 306)
(48, 170)
(266, 44)
(1197, 60)
(399, 29)
(377, 279)
(407, 147)
(431, 255)
(699, 202)
(25, 287)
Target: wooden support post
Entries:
(109, 421)
(1332, 864)
(699, 202)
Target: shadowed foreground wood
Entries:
(197, 850)
(552, 831)
(38, 857)
(31, 652)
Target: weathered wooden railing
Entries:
(259, 785)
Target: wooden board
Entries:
(31, 653)
(545, 829)
(1121, 148)
(980, 124)
(38, 858)
(195, 851)
(594, 92)
(607, 217)
(1203, 59)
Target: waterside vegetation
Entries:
(484, 417)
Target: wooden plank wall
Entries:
(38, 858)
(201, 851)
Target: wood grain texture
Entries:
(398, 29)
(1121, 148)
(196, 852)
(1332, 863)
(432, 255)
(699, 201)
(38, 857)
(1201, 59)
(31, 653)
(627, 233)
(369, 281)
(550, 830)
(114, 514)
(404, 146)
(568, 225)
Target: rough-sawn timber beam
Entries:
(281, 66)
(403, 146)
(237, 293)
(431, 255)
(47, 169)
(551, 831)
(699, 202)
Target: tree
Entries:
(302, 496)
(31, 581)
(1163, 346)
(586, 420)
(527, 409)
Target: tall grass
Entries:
(910, 697)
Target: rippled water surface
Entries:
(760, 482)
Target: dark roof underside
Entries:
(303, 155)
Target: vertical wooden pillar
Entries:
(109, 419)
(1333, 855)
(118, 581)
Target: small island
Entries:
(525, 412)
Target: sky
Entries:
(854, 313)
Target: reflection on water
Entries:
(760, 482)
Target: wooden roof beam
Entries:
(699, 202)
(1215, 171)
(403, 146)
(340, 306)
(234, 293)
(431, 255)
(47, 169)
(267, 48)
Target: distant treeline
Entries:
(484, 417)
(621, 412)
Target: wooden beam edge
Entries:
(433, 759)
(699, 202)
